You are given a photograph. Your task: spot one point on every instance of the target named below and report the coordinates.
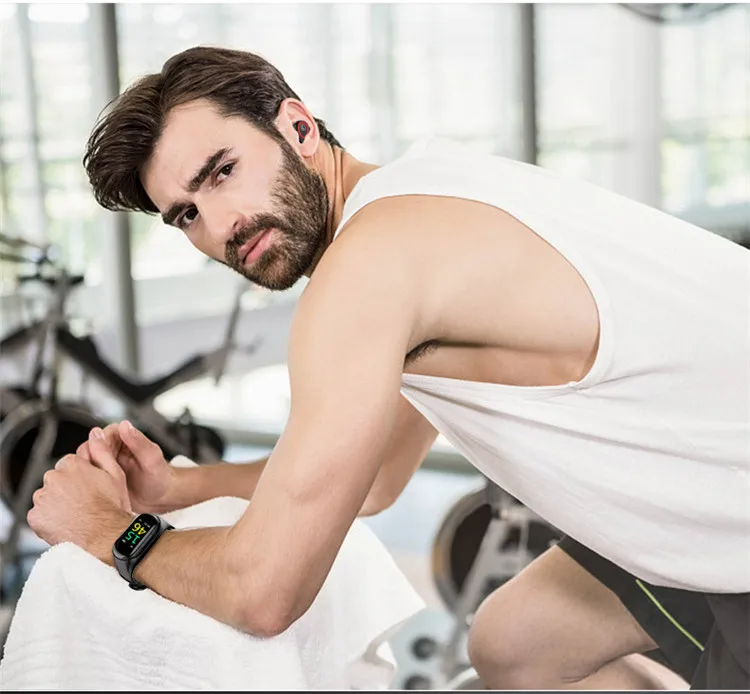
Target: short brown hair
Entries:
(237, 82)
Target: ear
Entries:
(292, 111)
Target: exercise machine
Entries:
(486, 538)
(38, 426)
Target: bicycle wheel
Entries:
(457, 544)
(19, 430)
(13, 396)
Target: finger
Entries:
(144, 450)
(67, 461)
(31, 519)
(124, 459)
(101, 454)
(126, 462)
(112, 435)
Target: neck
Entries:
(341, 172)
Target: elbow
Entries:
(264, 619)
(266, 628)
(258, 603)
(375, 505)
(380, 498)
(268, 608)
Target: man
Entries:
(585, 352)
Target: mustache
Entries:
(258, 224)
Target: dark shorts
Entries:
(704, 638)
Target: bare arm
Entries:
(209, 481)
(158, 487)
(408, 445)
(348, 341)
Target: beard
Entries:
(300, 216)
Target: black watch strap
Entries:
(134, 544)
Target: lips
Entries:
(248, 246)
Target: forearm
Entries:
(392, 478)
(209, 481)
(408, 447)
(191, 567)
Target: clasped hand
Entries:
(90, 496)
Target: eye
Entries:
(188, 217)
(225, 170)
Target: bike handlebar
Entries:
(72, 280)
(41, 255)
(21, 242)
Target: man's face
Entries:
(241, 197)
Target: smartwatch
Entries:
(140, 536)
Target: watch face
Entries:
(133, 537)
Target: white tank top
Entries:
(646, 460)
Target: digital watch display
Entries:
(130, 548)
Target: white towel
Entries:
(78, 625)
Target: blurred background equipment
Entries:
(485, 539)
(38, 427)
(672, 12)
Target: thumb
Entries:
(144, 450)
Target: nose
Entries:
(221, 221)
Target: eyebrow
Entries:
(194, 185)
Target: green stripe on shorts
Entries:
(664, 611)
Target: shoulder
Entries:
(369, 274)
(427, 235)
(412, 255)
(381, 247)
(379, 238)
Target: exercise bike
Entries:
(486, 538)
(38, 427)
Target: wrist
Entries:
(179, 490)
(134, 545)
(109, 530)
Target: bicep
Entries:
(345, 363)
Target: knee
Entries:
(502, 647)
